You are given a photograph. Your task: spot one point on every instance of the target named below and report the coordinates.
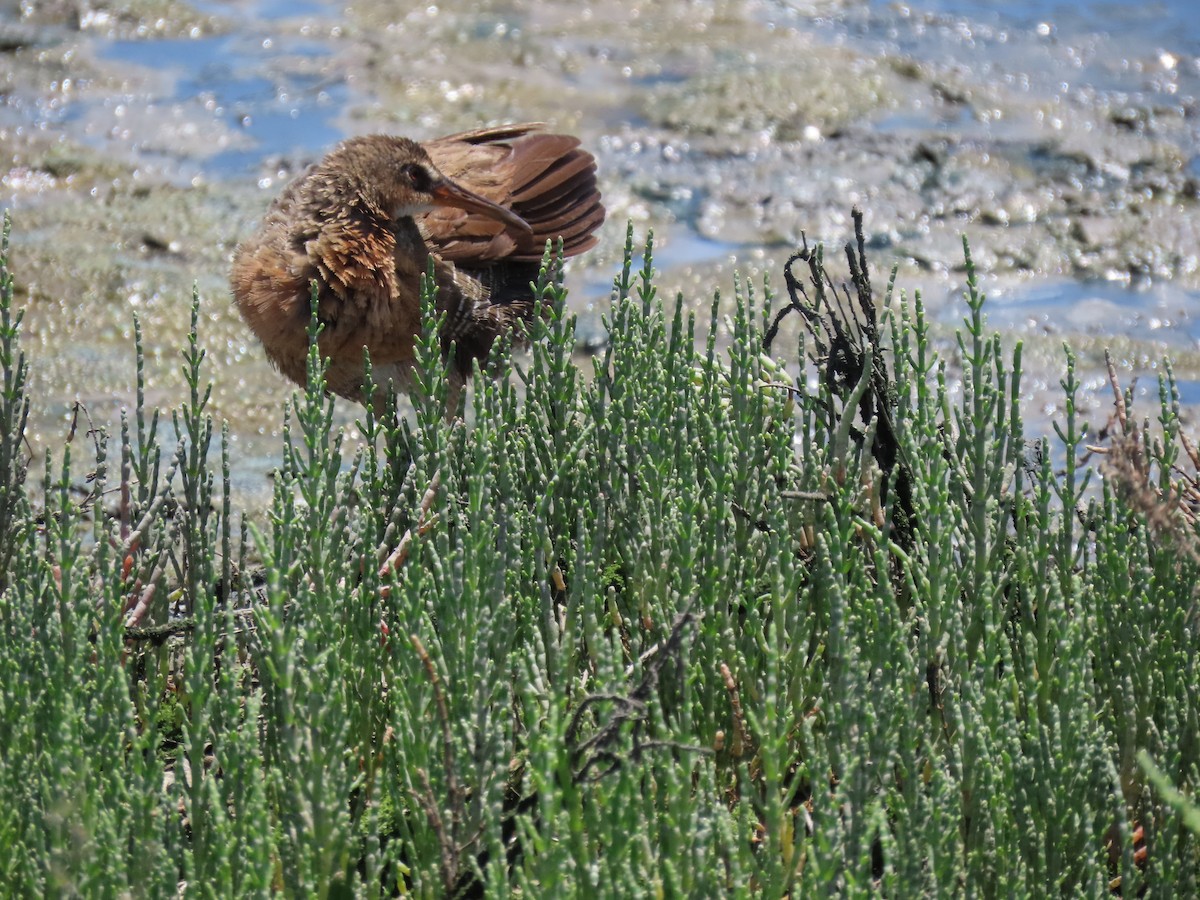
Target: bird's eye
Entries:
(418, 176)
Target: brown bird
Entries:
(363, 224)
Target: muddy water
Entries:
(139, 140)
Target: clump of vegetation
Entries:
(689, 627)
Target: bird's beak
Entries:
(447, 193)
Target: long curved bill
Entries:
(447, 193)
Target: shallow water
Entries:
(1155, 25)
(267, 107)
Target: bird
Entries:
(364, 224)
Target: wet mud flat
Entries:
(140, 140)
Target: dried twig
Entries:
(741, 735)
(847, 343)
(632, 708)
(143, 595)
(399, 556)
(1118, 395)
(1171, 515)
(448, 846)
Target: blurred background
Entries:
(140, 140)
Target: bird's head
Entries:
(404, 182)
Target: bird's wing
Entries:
(546, 179)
